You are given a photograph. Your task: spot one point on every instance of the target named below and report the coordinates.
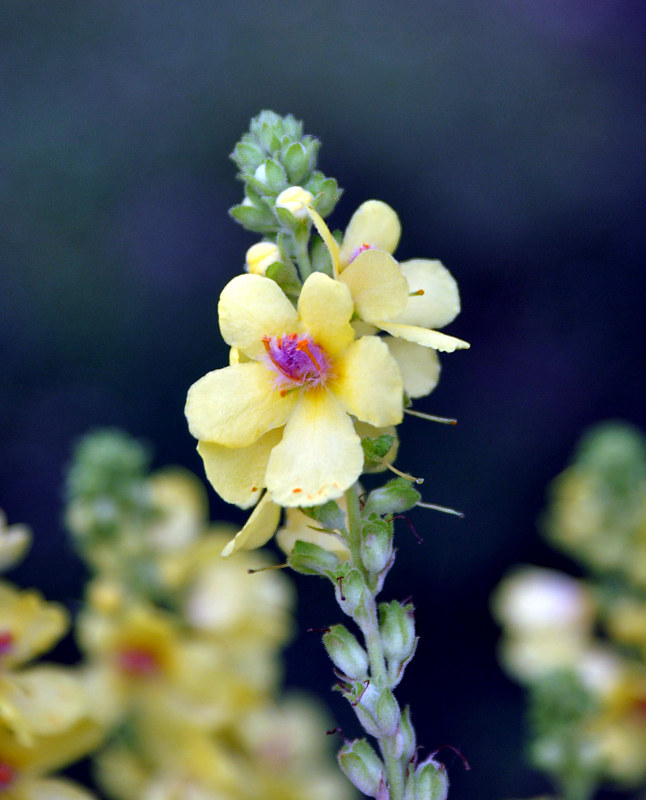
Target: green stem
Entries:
(369, 625)
(301, 240)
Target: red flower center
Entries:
(138, 661)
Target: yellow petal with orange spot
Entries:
(320, 455)
(238, 473)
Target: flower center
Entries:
(137, 661)
(7, 775)
(6, 643)
(360, 249)
(297, 361)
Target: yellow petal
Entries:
(378, 287)
(251, 307)
(238, 474)
(258, 529)
(369, 384)
(329, 240)
(440, 302)
(235, 405)
(53, 789)
(374, 223)
(419, 366)
(44, 701)
(427, 338)
(320, 455)
(325, 307)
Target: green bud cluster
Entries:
(271, 157)
(346, 653)
(106, 488)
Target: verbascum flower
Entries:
(407, 300)
(14, 543)
(282, 419)
(547, 618)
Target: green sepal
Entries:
(395, 497)
(275, 176)
(260, 188)
(310, 559)
(253, 218)
(287, 219)
(296, 160)
(327, 197)
(247, 156)
(376, 449)
(329, 515)
(286, 277)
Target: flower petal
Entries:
(374, 223)
(419, 366)
(251, 307)
(238, 473)
(320, 454)
(378, 287)
(325, 307)
(425, 337)
(258, 529)
(53, 789)
(235, 405)
(369, 384)
(440, 302)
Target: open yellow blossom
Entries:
(282, 420)
(408, 300)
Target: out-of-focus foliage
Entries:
(580, 644)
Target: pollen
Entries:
(360, 249)
(298, 361)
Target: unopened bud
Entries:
(295, 199)
(431, 781)
(350, 592)
(397, 630)
(346, 652)
(376, 546)
(362, 766)
(387, 713)
(260, 256)
(404, 739)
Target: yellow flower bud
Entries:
(295, 199)
(260, 256)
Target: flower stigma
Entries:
(137, 661)
(7, 775)
(297, 360)
(6, 642)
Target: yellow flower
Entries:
(14, 541)
(282, 419)
(408, 300)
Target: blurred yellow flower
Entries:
(14, 542)
(282, 419)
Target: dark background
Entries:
(508, 135)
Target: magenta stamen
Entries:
(298, 360)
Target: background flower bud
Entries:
(346, 652)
